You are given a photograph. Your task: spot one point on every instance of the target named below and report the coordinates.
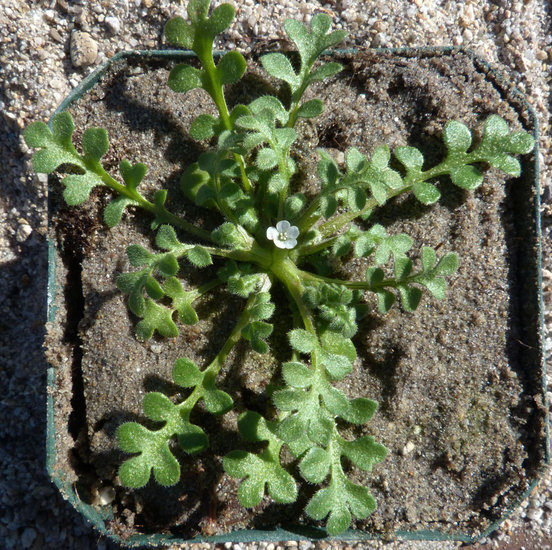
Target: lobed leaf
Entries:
(231, 67)
(279, 66)
(156, 318)
(179, 33)
(184, 78)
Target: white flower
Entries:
(284, 234)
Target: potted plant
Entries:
(221, 378)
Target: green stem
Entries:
(217, 363)
(308, 219)
(256, 254)
(288, 273)
(359, 285)
(214, 88)
(160, 212)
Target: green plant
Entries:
(269, 237)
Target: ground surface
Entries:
(37, 72)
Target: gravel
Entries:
(46, 48)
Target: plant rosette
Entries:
(256, 337)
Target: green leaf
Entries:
(341, 246)
(448, 265)
(231, 67)
(457, 137)
(355, 160)
(467, 177)
(520, 143)
(157, 406)
(167, 265)
(138, 255)
(63, 128)
(182, 301)
(507, 164)
(271, 103)
(186, 373)
(259, 470)
(315, 465)
(114, 210)
(386, 299)
(184, 78)
(297, 375)
(325, 71)
(266, 159)
(153, 288)
(198, 10)
(78, 187)
(293, 206)
(410, 297)
(338, 345)
(328, 206)
(402, 268)
(426, 192)
(203, 127)
(360, 410)
(179, 33)
(302, 341)
(429, 258)
(217, 402)
(437, 286)
(410, 157)
(156, 318)
(221, 18)
(290, 400)
(339, 500)
(380, 157)
(495, 127)
(192, 439)
(334, 399)
(38, 134)
(364, 452)
(95, 143)
(256, 333)
(310, 109)
(155, 454)
(199, 256)
(262, 308)
(229, 235)
(166, 238)
(47, 160)
(279, 66)
(132, 174)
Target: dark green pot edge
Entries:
(98, 518)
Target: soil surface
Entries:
(458, 391)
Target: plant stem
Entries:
(216, 364)
(214, 88)
(160, 212)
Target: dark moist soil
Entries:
(457, 381)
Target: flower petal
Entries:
(280, 244)
(293, 232)
(288, 243)
(272, 234)
(283, 226)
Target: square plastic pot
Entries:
(527, 227)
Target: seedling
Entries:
(268, 237)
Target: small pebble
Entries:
(84, 49)
(535, 514)
(23, 232)
(107, 495)
(113, 24)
